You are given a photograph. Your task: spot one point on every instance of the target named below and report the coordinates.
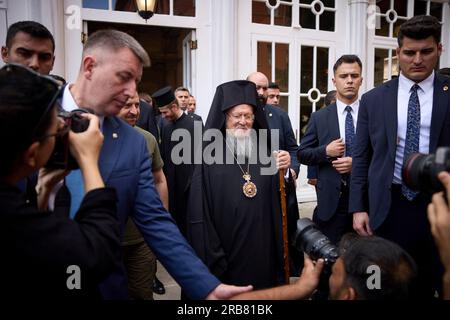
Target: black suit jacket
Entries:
(194, 116)
(278, 119)
(147, 120)
(38, 247)
(323, 128)
(376, 143)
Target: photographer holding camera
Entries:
(40, 248)
(439, 217)
(368, 268)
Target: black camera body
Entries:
(61, 157)
(420, 171)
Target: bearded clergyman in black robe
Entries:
(234, 218)
(177, 129)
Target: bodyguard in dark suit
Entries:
(403, 116)
(328, 144)
(111, 67)
(191, 107)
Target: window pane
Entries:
(322, 70)
(307, 18)
(260, 13)
(381, 59)
(125, 5)
(306, 1)
(382, 66)
(320, 104)
(420, 7)
(384, 30)
(395, 68)
(184, 8)
(305, 114)
(401, 7)
(327, 21)
(328, 3)
(264, 62)
(283, 16)
(384, 5)
(96, 4)
(162, 7)
(306, 70)
(284, 103)
(282, 66)
(397, 25)
(436, 10)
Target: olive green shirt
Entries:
(132, 234)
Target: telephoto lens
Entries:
(314, 243)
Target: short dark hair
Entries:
(181, 89)
(419, 28)
(33, 28)
(330, 97)
(273, 85)
(25, 115)
(398, 270)
(347, 58)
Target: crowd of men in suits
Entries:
(357, 147)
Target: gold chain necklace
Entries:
(249, 188)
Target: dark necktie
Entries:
(412, 135)
(349, 132)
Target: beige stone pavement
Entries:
(173, 289)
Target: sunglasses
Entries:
(13, 72)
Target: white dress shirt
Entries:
(425, 94)
(68, 103)
(342, 114)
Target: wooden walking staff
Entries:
(284, 223)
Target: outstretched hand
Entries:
(225, 291)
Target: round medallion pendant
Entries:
(249, 189)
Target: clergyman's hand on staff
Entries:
(283, 159)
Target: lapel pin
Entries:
(270, 114)
(114, 135)
(445, 88)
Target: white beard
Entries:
(242, 146)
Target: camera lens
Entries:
(314, 243)
(420, 171)
(413, 170)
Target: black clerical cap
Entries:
(231, 94)
(163, 97)
(238, 92)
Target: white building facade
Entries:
(294, 42)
